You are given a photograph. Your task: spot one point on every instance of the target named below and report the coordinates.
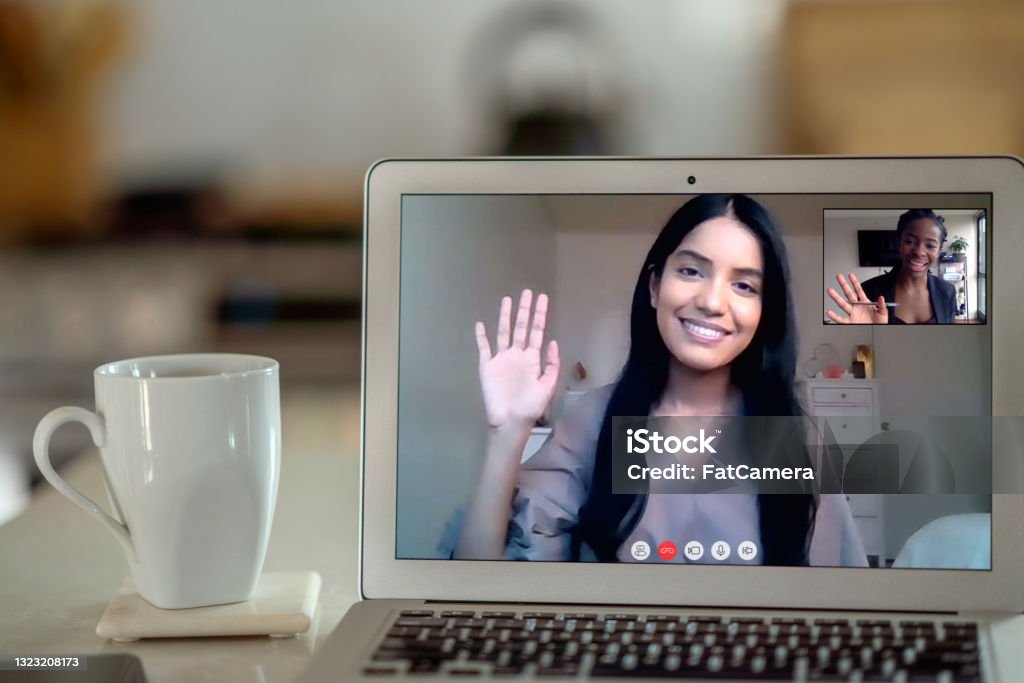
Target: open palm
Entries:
(516, 388)
(851, 302)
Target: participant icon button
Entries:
(640, 550)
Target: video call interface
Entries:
(746, 379)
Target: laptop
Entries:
(705, 419)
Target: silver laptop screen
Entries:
(785, 379)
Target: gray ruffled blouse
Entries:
(553, 485)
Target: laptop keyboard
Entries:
(466, 643)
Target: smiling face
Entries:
(919, 245)
(708, 298)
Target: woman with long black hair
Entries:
(711, 334)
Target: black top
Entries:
(941, 293)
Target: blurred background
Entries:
(187, 176)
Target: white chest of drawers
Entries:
(850, 409)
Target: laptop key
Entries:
(970, 673)
(508, 623)
(423, 622)
(425, 665)
(412, 655)
(403, 631)
(379, 671)
(550, 624)
(510, 670)
(389, 656)
(959, 634)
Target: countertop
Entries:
(60, 567)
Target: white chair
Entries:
(953, 542)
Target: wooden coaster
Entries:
(282, 606)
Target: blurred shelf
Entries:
(309, 352)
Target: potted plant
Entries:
(959, 248)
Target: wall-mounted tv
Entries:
(878, 248)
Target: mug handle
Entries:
(41, 449)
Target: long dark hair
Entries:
(763, 373)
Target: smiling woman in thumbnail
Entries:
(711, 334)
(922, 298)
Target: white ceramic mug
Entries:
(191, 450)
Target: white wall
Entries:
(842, 254)
(595, 278)
(800, 220)
(934, 369)
(460, 255)
(927, 373)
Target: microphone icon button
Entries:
(720, 550)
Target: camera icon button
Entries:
(693, 551)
